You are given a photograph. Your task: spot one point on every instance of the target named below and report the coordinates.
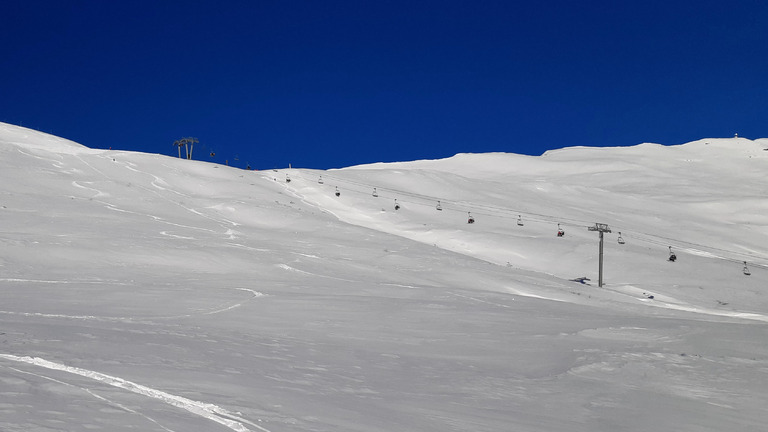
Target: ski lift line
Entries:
(445, 204)
(368, 186)
(691, 246)
(550, 219)
(503, 212)
(490, 208)
(698, 251)
(453, 208)
(461, 205)
(382, 193)
(660, 241)
(640, 238)
(363, 185)
(508, 211)
(685, 245)
(640, 235)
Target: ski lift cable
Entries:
(459, 206)
(491, 210)
(384, 192)
(702, 251)
(368, 186)
(695, 248)
(699, 250)
(642, 237)
(504, 212)
(381, 192)
(541, 217)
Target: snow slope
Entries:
(143, 292)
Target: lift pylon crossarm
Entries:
(600, 228)
(187, 143)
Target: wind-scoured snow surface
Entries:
(144, 292)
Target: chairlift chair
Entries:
(746, 269)
(375, 194)
(672, 256)
(560, 231)
(520, 220)
(397, 206)
(621, 240)
(471, 220)
(439, 207)
(337, 191)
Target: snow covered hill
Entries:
(145, 292)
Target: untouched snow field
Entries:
(147, 293)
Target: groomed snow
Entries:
(146, 292)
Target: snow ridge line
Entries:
(202, 409)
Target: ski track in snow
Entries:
(303, 199)
(306, 255)
(98, 192)
(167, 234)
(250, 248)
(228, 231)
(74, 317)
(536, 296)
(705, 311)
(156, 218)
(254, 295)
(93, 282)
(292, 269)
(295, 270)
(663, 302)
(90, 392)
(480, 300)
(144, 320)
(155, 179)
(220, 221)
(18, 148)
(203, 409)
(666, 302)
(91, 166)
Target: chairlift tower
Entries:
(187, 143)
(600, 228)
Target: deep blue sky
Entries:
(323, 84)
